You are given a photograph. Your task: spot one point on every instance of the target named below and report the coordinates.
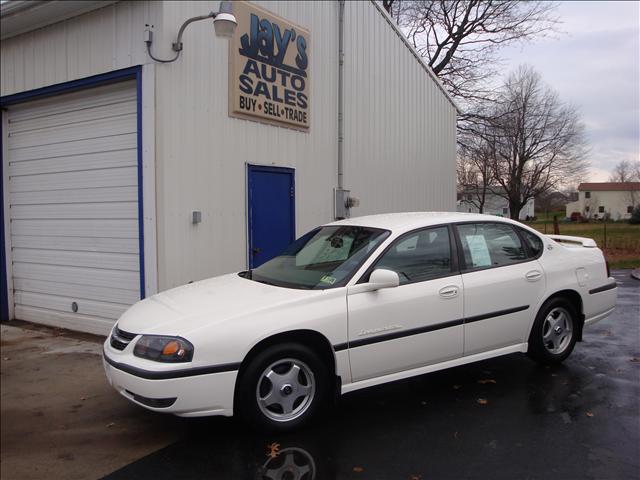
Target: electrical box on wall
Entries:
(341, 203)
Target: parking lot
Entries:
(502, 418)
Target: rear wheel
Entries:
(283, 387)
(554, 332)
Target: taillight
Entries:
(608, 269)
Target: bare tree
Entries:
(475, 166)
(626, 171)
(460, 39)
(537, 140)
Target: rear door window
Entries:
(487, 245)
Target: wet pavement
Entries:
(502, 418)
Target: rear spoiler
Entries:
(585, 242)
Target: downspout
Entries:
(340, 94)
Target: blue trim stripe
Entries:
(132, 73)
(4, 287)
(66, 87)
(140, 193)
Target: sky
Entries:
(594, 63)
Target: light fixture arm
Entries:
(177, 45)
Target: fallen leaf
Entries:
(358, 469)
(423, 403)
(83, 398)
(455, 435)
(6, 358)
(589, 414)
(635, 360)
(274, 450)
(111, 425)
(457, 387)
(415, 477)
(484, 381)
(482, 401)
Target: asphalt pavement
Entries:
(502, 418)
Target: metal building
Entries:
(123, 176)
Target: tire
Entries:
(283, 388)
(554, 332)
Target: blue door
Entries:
(271, 216)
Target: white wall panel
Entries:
(201, 152)
(399, 126)
(399, 134)
(96, 42)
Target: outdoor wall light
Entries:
(224, 24)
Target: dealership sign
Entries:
(269, 69)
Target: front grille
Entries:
(120, 339)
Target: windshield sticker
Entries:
(478, 250)
(328, 279)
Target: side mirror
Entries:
(381, 278)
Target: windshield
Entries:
(326, 257)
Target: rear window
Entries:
(533, 242)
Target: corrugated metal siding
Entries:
(201, 153)
(399, 126)
(73, 207)
(107, 39)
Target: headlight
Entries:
(163, 349)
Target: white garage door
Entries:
(73, 186)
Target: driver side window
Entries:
(419, 256)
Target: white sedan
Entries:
(353, 304)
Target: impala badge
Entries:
(378, 330)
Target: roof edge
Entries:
(609, 186)
(424, 65)
(29, 12)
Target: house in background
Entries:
(613, 199)
(494, 204)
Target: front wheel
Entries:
(283, 387)
(554, 332)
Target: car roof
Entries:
(402, 222)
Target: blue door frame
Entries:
(133, 73)
(271, 212)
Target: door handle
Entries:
(533, 275)
(256, 250)
(450, 291)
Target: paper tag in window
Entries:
(478, 250)
(328, 279)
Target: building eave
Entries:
(22, 16)
(420, 60)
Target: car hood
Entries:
(184, 309)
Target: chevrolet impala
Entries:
(353, 304)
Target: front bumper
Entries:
(190, 396)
